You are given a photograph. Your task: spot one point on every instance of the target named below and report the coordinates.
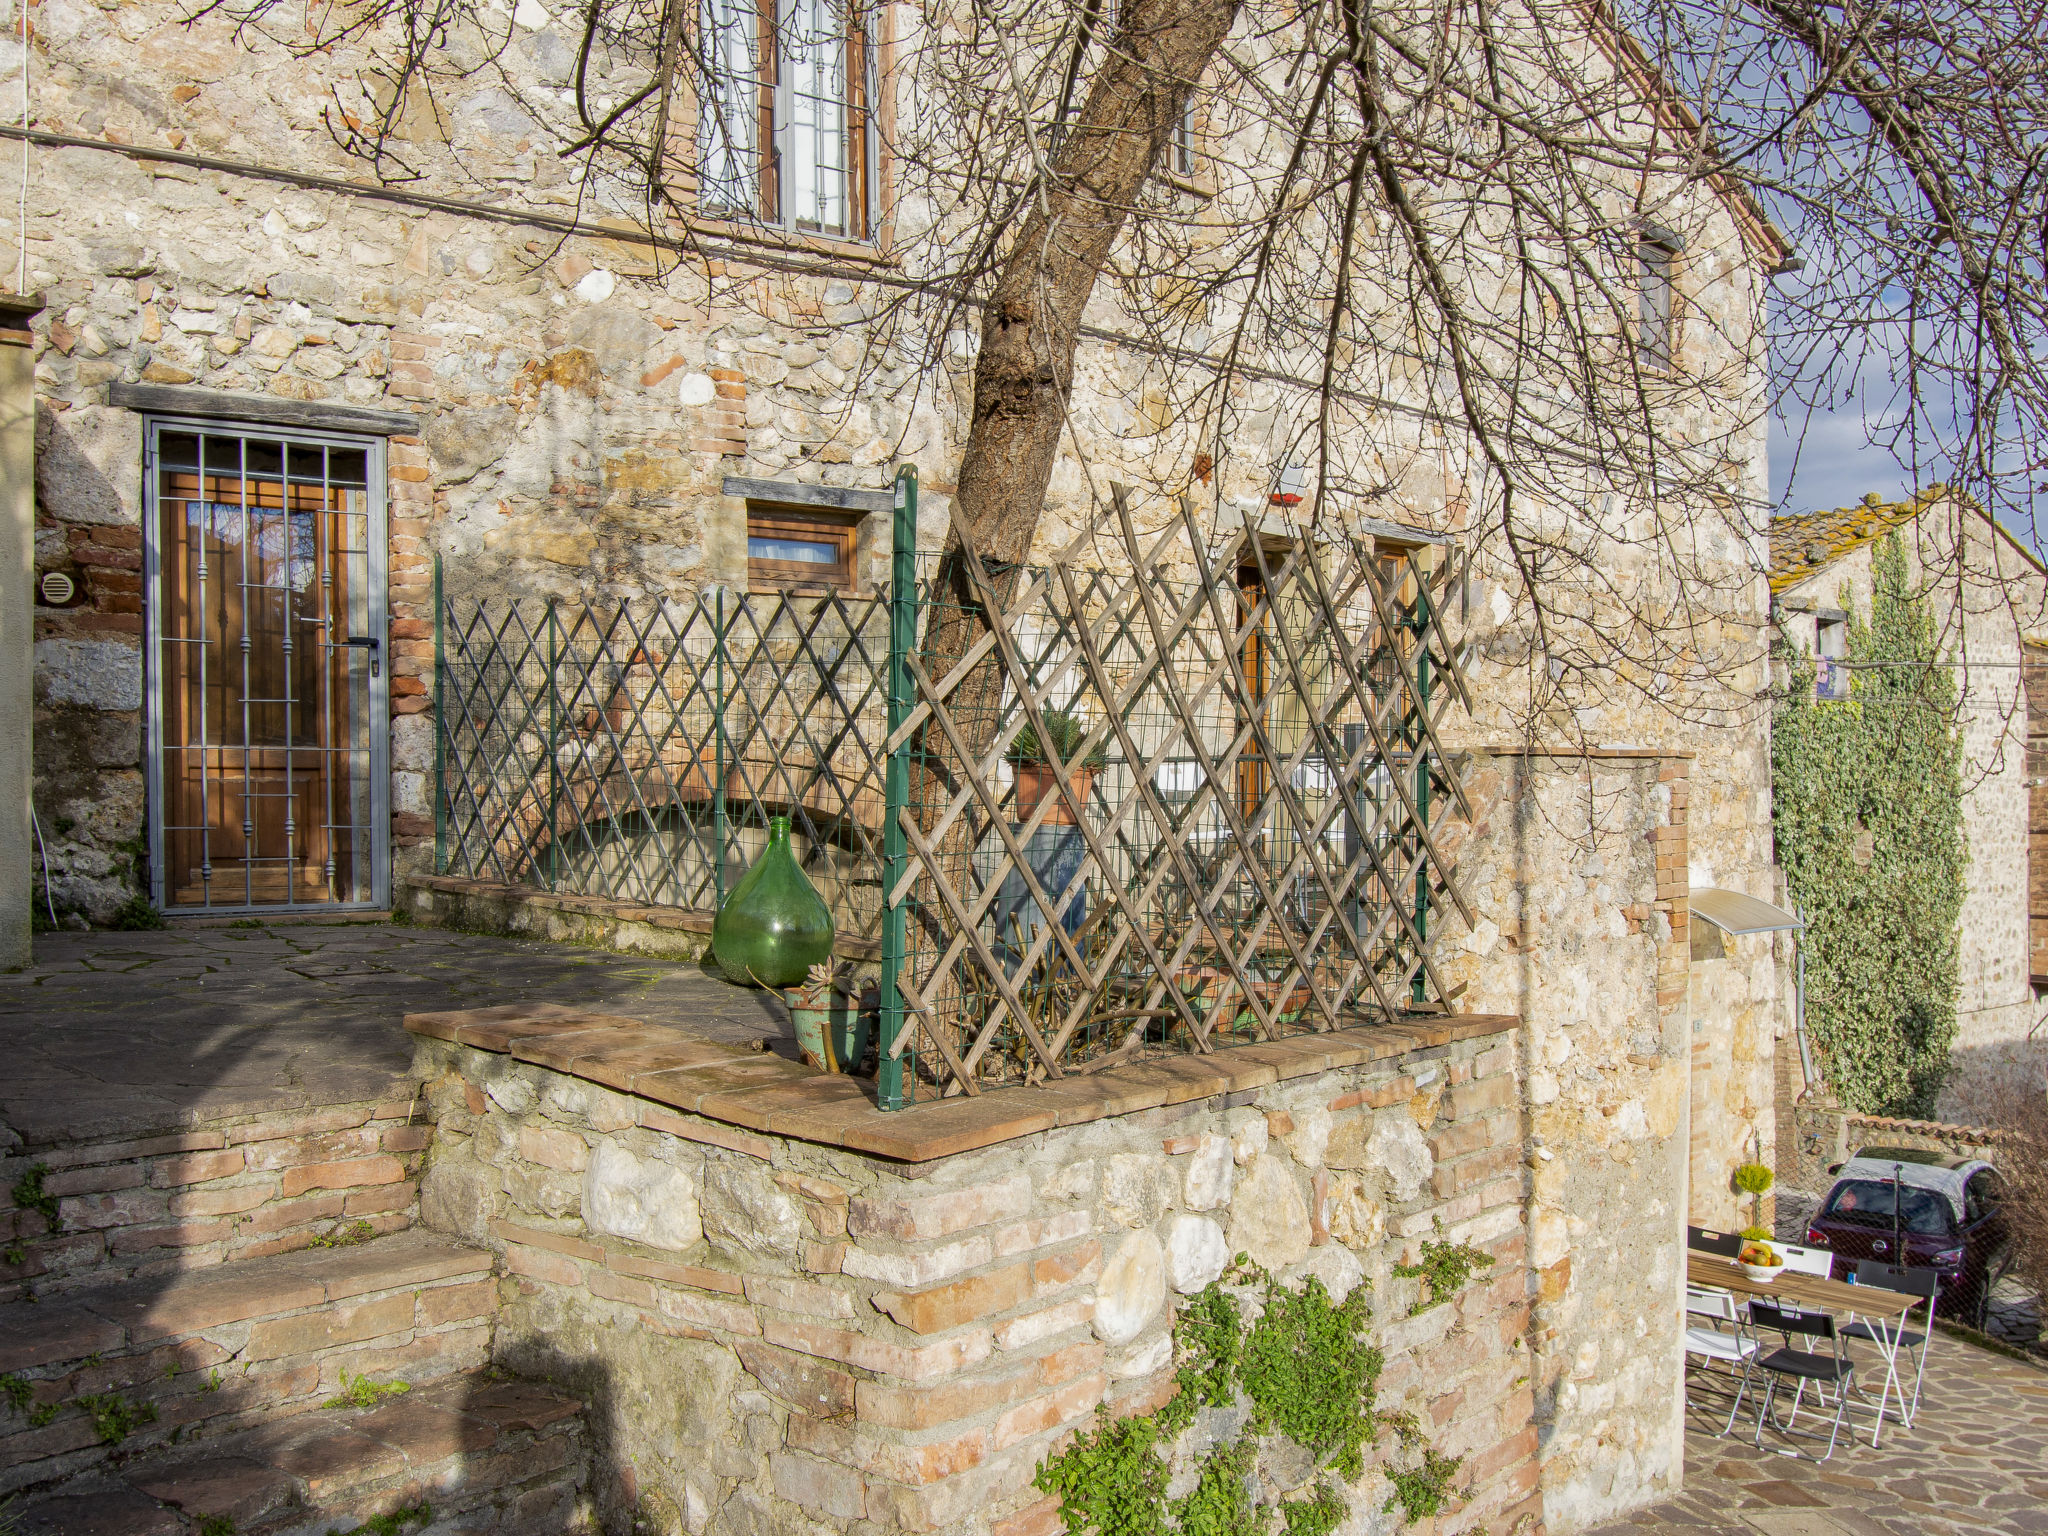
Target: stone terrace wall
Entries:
(240, 1188)
(780, 1336)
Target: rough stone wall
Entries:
(582, 399)
(1580, 870)
(1985, 595)
(778, 1336)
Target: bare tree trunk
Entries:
(1024, 375)
(1028, 332)
(1025, 371)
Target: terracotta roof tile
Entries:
(1810, 541)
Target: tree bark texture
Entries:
(1023, 379)
(1024, 375)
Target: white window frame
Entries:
(744, 105)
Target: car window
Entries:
(1869, 1203)
(1981, 1195)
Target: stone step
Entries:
(237, 1187)
(121, 1368)
(472, 1453)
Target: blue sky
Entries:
(1836, 463)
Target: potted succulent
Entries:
(1037, 779)
(834, 1019)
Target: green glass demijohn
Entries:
(774, 926)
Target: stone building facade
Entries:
(566, 410)
(1988, 600)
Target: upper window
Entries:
(800, 547)
(1655, 313)
(1831, 658)
(783, 131)
(1182, 153)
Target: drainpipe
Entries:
(1799, 996)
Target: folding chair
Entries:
(1924, 1283)
(1723, 1245)
(1806, 1261)
(1804, 1363)
(1732, 1345)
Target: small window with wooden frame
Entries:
(801, 548)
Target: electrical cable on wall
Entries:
(48, 900)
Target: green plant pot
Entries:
(834, 1030)
(774, 926)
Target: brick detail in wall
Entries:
(108, 560)
(724, 429)
(410, 639)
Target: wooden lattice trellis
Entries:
(1261, 851)
(1267, 846)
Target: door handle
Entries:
(374, 646)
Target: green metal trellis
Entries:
(1264, 849)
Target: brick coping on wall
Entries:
(754, 1092)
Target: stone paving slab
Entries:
(1975, 1461)
(117, 1034)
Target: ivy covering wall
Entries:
(1868, 815)
(1296, 1379)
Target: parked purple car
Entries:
(1919, 1209)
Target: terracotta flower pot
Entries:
(1037, 782)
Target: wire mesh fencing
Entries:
(637, 752)
(1194, 802)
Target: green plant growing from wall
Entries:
(30, 1195)
(114, 1418)
(1868, 816)
(1305, 1371)
(361, 1392)
(1444, 1268)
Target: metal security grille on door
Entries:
(268, 719)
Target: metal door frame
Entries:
(377, 538)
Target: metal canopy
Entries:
(1733, 912)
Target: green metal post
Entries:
(554, 743)
(896, 784)
(1418, 992)
(440, 735)
(718, 830)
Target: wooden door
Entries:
(267, 634)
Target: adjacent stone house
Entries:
(271, 397)
(1988, 600)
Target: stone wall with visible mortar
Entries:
(1580, 871)
(581, 399)
(783, 1337)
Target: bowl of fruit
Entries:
(1761, 1262)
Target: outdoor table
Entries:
(1884, 1310)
